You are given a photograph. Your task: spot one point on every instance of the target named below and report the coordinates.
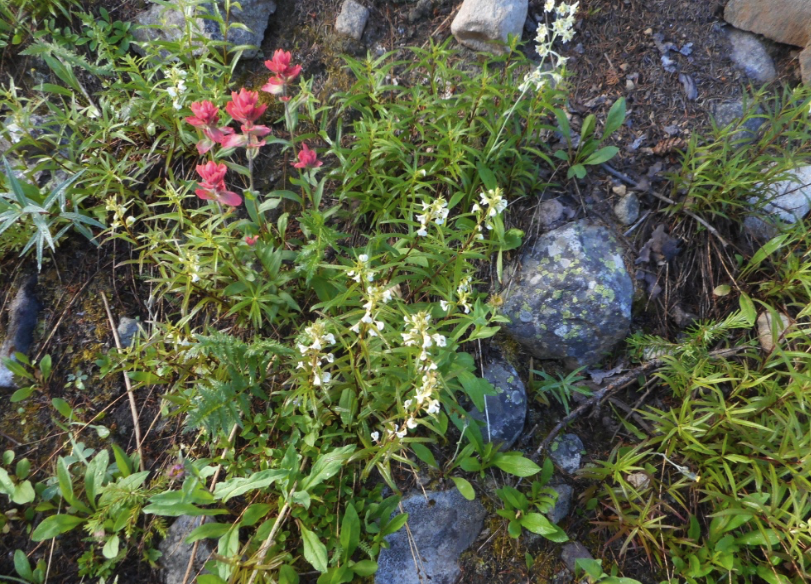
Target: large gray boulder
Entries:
(161, 23)
(482, 24)
(570, 295)
(176, 552)
(751, 55)
(787, 202)
(352, 19)
(507, 410)
(784, 21)
(442, 527)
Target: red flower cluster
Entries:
(244, 109)
(206, 116)
(307, 158)
(280, 65)
(212, 187)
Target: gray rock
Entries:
(421, 10)
(160, 23)
(566, 452)
(787, 202)
(176, 552)
(731, 112)
(482, 24)
(127, 329)
(570, 295)
(507, 410)
(19, 334)
(563, 505)
(573, 551)
(442, 528)
(352, 19)
(553, 213)
(749, 53)
(627, 209)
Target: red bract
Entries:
(206, 116)
(212, 187)
(307, 158)
(251, 239)
(249, 138)
(243, 106)
(280, 65)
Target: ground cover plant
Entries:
(317, 336)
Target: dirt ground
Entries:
(613, 54)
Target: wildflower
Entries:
(549, 6)
(251, 239)
(401, 433)
(411, 423)
(206, 117)
(361, 270)
(493, 204)
(375, 436)
(433, 407)
(463, 292)
(420, 335)
(243, 106)
(249, 138)
(280, 65)
(313, 358)
(437, 211)
(307, 158)
(212, 188)
(178, 88)
(444, 305)
(175, 472)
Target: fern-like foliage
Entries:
(238, 370)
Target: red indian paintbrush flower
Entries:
(307, 158)
(243, 106)
(280, 65)
(251, 239)
(212, 187)
(206, 117)
(249, 138)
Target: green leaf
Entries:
(145, 377)
(602, 155)
(767, 537)
(62, 407)
(748, 309)
(315, 552)
(465, 488)
(615, 118)
(122, 461)
(241, 485)
(65, 480)
(515, 464)
(22, 566)
(55, 525)
(487, 176)
(424, 454)
(23, 493)
(588, 127)
(110, 549)
(209, 531)
(94, 476)
(327, 465)
(514, 529)
(394, 525)
(350, 532)
(537, 523)
(287, 575)
(45, 366)
(547, 471)
(364, 568)
(21, 394)
(254, 513)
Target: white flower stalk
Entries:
(375, 296)
(177, 89)
(562, 29)
(420, 334)
(313, 357)
(361, 272)
(492, 205)
(436, 212)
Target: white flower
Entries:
(402, 433)
(411, 423)
(407, 403)
(363, 258)
(437, 211)
(439, 340)
(433, 407)
(444, 305)
(541, 33)
(549, 6)
(375, 436)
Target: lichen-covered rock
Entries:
(352, 19)
(442, 525)
(162, 23)
(570, 295)
(566, 452)
(563, 505)
(731, 112)
(507, 410)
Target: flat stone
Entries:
(766, 327)
(19, 334)
(566, 452)
(482, 25)
(507, 410)
(352, 19)
(730, 112)
(570, 295)
(784, 21)
(442, 527)
(805, 65)
(161, 23)
(176, 552)
(627, 209)
(749, 53)
(573, 551)
(787, 202)
(563, 505)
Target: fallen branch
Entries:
(130, 395)
(625, 178)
